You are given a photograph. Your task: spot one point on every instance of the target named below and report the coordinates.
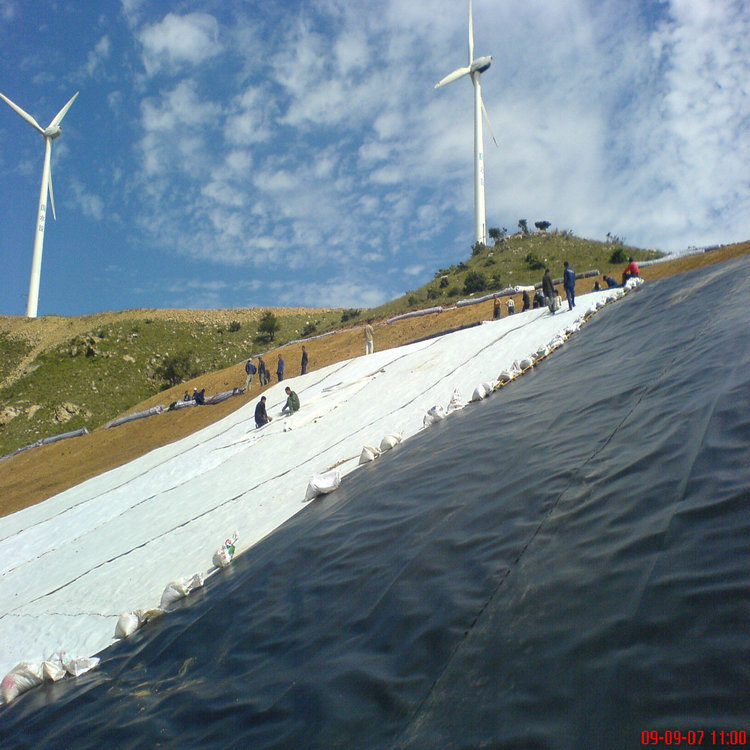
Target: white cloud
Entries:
(97, 56)
(90, 204)
(178, 40)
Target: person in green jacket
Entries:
(292, 401)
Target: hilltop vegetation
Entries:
(60, 374)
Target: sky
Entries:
(69, 564)
(232, 154)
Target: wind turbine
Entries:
(54, 130)
(474, 69)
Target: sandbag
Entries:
(481, 391)
(23, 677)
(129, 622)
(456, 402)
(434, 414)
(80, 665)
(180, 588)
(223, 556)
(368, 454)
(53, 669)
(389, 441)
(322, 484)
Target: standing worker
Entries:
(304, 361)
(250, 369)
(548, 288)
(569, 284)
(280, 369)
(369, 339)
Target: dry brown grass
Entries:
(37, 474)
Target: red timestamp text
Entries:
(695, 737)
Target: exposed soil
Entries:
(39, 473)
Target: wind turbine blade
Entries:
(26, 116)
(52, 194)
(486, 119)
(61, 113)
(453, 76)
(471, 36)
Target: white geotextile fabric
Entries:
(69, 564)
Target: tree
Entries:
(542, 226)
(523, 226)
(268, 325)
(495, 234)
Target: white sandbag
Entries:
(389, 441)
(481, 391)
(127, 624)
(180, 588)
(322, 484)
(368, 454)
(223, 556)
(53, 669)
(22, 677)
(80, 665)
(456, 402)
(434, 415)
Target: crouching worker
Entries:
(292, 401)
(261, 417)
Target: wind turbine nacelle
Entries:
(53, 131)
(481, 64)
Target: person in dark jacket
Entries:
(609, 281)
(569, 284)
(549, 290)
(261, 416)
(304, 361)
(526, 301)
(250, 369)
(280, 369)
(199, 396)
(263, 375)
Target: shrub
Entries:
(433, 293)
(349, 315)
(454, 291)
(234, 326)
(533, 262)
(309, 329)
(444, 282)
(618, 256)
(475, 281)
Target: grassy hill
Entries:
(59, 374)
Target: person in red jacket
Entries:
(631, 271)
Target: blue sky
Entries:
(225, 154)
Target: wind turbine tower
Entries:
(54, 130)
(474, 70)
